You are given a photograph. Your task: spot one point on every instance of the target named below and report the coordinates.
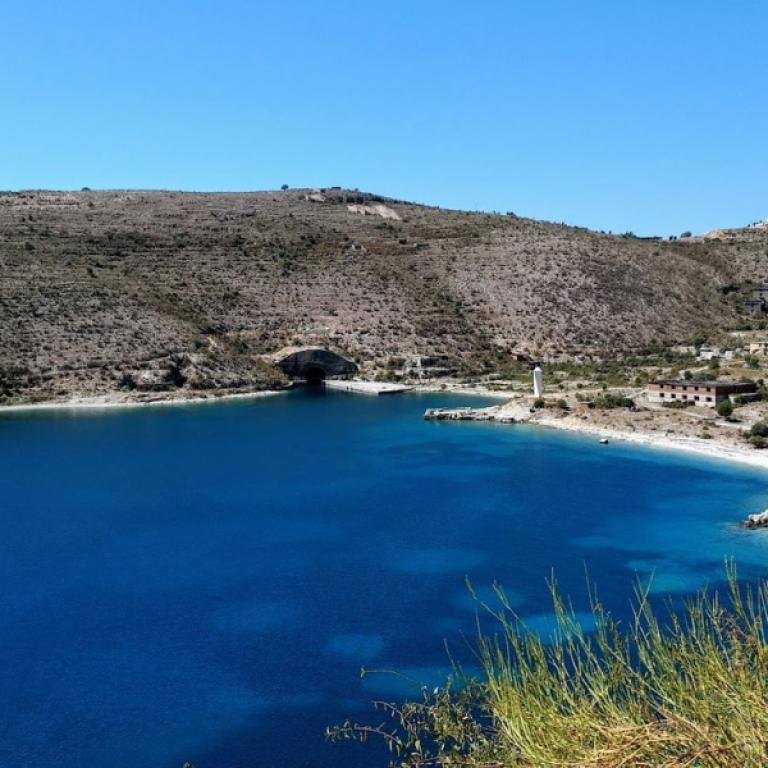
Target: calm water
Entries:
(204, 583)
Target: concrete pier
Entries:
(366, 387)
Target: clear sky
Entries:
(646, 116)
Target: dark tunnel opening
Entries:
(314, 375)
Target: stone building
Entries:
(703, 393)
(758, 348)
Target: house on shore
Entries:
(758, 348)
(704, 393)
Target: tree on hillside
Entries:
(699, 340)
(725, 408)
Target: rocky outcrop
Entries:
(466, 414)
(374, 210)
(759, 520)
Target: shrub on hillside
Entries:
(699, 340)
(609, 400)
(678, 404)
(542, 403)
(724, 408)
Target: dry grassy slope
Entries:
(156, 290)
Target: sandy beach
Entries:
(710, 448)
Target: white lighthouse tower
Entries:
(538, 381)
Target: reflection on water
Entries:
(204, 583)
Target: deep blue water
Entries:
(204, 583)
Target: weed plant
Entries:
(688, 688)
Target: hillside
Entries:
(151, 291)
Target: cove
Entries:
(204, 582)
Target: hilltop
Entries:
(156, 291)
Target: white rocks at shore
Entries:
(464, 414)
(506, 413)
(759, 520)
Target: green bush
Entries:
(542, 403)
(724, 408)
(759, 429)
(610, 400)
(699, 340)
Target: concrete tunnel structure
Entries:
(313, 365)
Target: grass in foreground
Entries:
(688, 689)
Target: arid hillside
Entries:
(152, 291)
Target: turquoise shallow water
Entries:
(204, 583)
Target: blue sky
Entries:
(643, 116)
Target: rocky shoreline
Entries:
(466, 413)
(519, 411)
(118, 400)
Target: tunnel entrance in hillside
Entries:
(314, 375)
(313, 365)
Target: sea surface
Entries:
(204, 583)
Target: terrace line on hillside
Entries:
(103, 290)
(704, 393)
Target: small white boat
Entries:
(603, 441)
